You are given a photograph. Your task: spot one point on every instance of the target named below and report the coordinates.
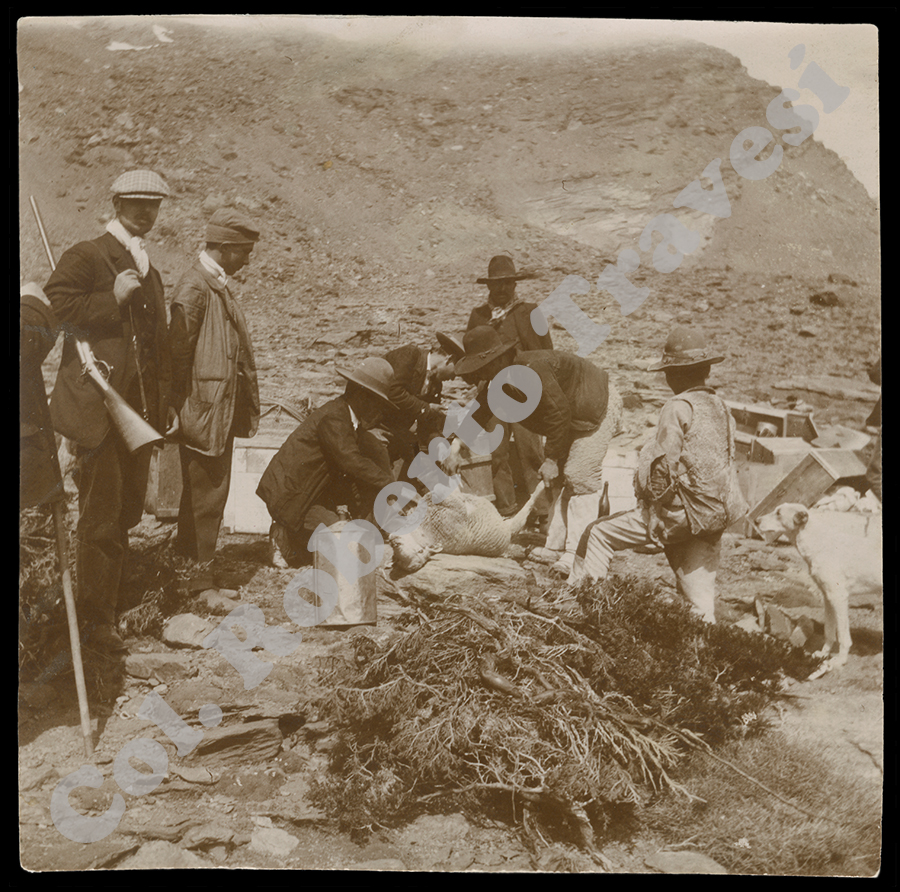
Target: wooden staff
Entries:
(62, 552)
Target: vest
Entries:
(703, 482)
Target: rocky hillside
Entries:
(383, 182)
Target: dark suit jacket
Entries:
(516, 326)
(410, 365)
(321, 451)
(81, 292)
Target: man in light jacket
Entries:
(685, 482)
(214, 385)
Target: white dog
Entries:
(841, 564)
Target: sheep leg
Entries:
(516, 523)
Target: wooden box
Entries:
(618, 471)
(245, 511)
(786, 422)
(786, 452)
(817, 472)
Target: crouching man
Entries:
(332, 459)
(685, 483)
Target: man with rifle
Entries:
(105, 292)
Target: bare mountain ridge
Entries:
(383, 181)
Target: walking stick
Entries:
(62, 552)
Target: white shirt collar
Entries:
(353, 417)
(213, 269)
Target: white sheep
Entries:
(462, 523)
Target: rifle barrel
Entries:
(43, 232)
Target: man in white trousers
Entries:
(685, 483)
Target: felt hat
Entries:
(140, 184)
(684, 348)
(229, 227)
(482, 344)
(452, 344)
(502, 269)
(374, 374)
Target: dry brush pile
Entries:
(565, 721)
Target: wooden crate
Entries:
(786, 452)
(618, 471)
(787, 423)
(806, 483)
(245, 511)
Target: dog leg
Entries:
(837, 616)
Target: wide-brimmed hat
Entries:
(140, 184)
(452, 344)
(482, 344)
(684, 348)
(502, 269)
(374, 374)
(229, 227)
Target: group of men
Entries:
(192, 377)
(190, 373)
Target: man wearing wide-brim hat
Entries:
(106, 291)
(685, 482)
(510, 317)
(331, 459)
(214, 385)
(579, 413)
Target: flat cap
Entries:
(229, 227)
(140, 184)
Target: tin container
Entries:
(357, 601)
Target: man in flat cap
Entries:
(685, 482)
(331, 459)
(107, 293)
(510, 317)
(214, 385)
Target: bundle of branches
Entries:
(148, 596)
(153, 590)
(566, 721)
(42, 617)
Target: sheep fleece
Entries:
(464, 524)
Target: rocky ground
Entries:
(383, 182)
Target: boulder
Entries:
(273, 841)
(458, 576)
(160, 854)
(242, 743)
(207, 835)
(186, 630)
(165, 667)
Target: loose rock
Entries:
(163, 666)
(160, 854)
(186, 630)
(272, 841)
(683, 862)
